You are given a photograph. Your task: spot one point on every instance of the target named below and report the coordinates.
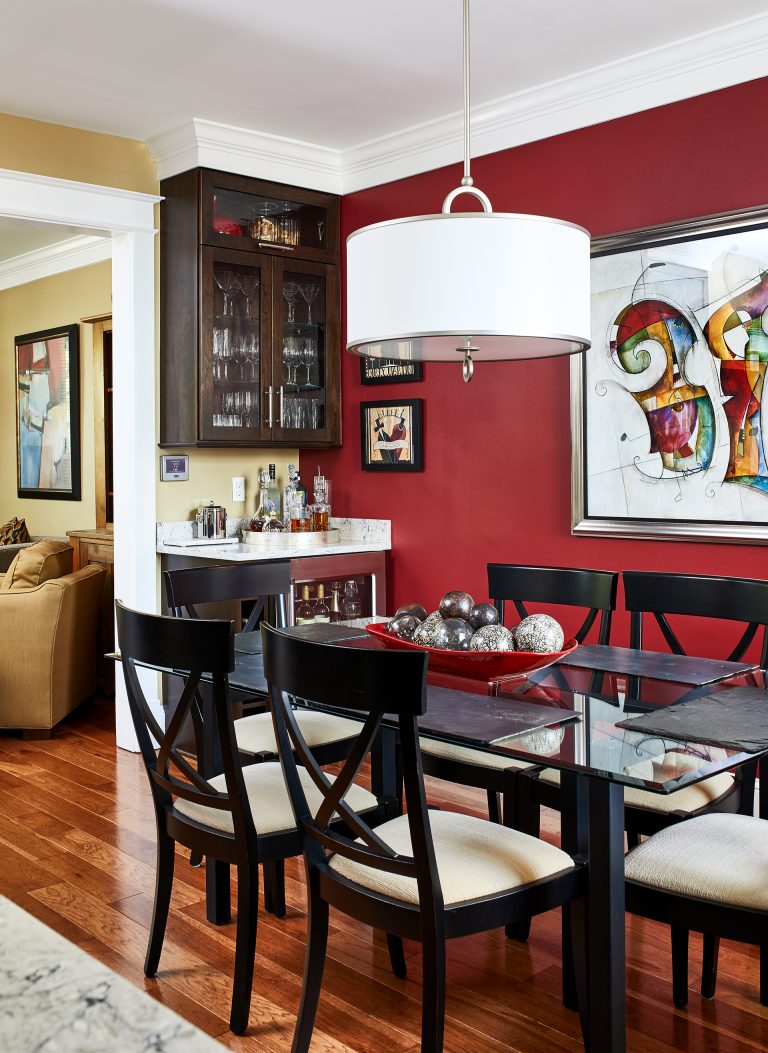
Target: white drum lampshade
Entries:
(425, 288)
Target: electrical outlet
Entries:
(238, 488)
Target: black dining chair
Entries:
(425, 875)
(594, 591)
(241, 817)
(706, 875)
(330, 736)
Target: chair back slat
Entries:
(190, 647)
(742, 600)
(566, 586)
(370, 683)
(187, 588)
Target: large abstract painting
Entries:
(669, 409)
(47, 414)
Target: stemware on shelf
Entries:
(309, 292)
(291, 358)
(248, 284)
(251, 357)
(290, 292)
(225, 281)
(307, 357)
(222, 351)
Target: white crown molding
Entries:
(67, 255)
(698, 64)
(678, 70)
(206, 144)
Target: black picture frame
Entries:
(401, 422)
(389, 371)
(47, 384)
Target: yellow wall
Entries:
(59, 300)
(71, 153)
(108, 160)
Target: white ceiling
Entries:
(336, 72)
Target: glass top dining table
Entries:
(580, 708)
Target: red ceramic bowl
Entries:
(475, 665)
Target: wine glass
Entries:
(290, 292)
(225, 281)
(248, 284)
(251, 355)
(291, 358)
(306, 357)
(221, 353)
(309, 292)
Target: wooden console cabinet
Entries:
(97, 546)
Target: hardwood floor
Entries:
(77, 839)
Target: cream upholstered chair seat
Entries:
(255, 733)
(269, 800)
(718, 857)
(467, 755)
(689, 799)
(475, 858)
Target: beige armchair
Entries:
(48, 623)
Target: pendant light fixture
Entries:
(489, 286)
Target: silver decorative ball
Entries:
(453, 634)
(456, 605)
(492, 638)
(425, 632)
(403, 626)
(414, 609)
(483, 614)
(539, 633)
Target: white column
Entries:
(134, 449)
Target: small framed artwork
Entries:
(48, 414)
(391, 436)
(389, 371)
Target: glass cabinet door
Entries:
(234, 397)
(252, 215)
(303, 369)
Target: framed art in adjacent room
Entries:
(48, 414)
(391, 436)
(669, 412)
(389, 371)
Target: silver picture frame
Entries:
(591, 511)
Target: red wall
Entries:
(496, 479)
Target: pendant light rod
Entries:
(467, 180)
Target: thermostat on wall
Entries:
(174, 468)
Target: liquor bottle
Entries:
(274, 525)
(274, 491)
(289, 493)
(262, 512)
(321, 509)
(305, 612)
(351, 606)
(322, 610)
(335, 601)
(300, 487)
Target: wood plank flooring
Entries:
(77, 851)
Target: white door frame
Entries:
(129, 219)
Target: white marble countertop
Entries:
(252, 554)
(356, 535)
(55, 998)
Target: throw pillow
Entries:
(38, 563)
(14, 532)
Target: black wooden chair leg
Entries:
(494, 812)
(570, 995)
(576, 955)
(274, 888)
(433, 994)
(680, 967)
(633, 839)
(163, 886)
(709, 966)
(397, 956)
(195, 859)
(764, 974)
(245, 946)
(521, 930)
(314, 963)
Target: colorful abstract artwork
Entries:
(47, 414)
(670, 417)
(391, 436)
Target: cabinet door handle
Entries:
(270, 421)
(282, 415)
(273, 245)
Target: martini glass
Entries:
(309, 292)
(225, 281)
(291, 292)
(248, 284)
